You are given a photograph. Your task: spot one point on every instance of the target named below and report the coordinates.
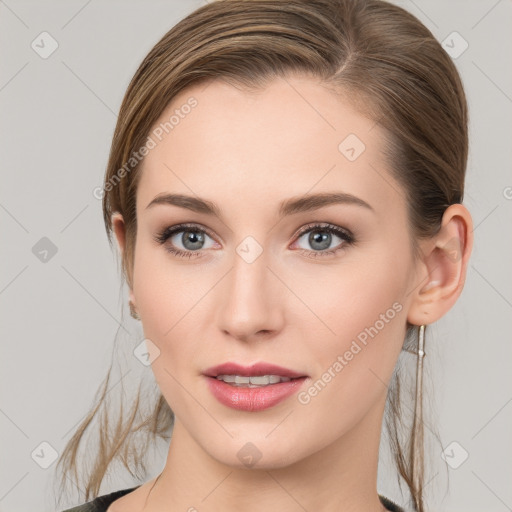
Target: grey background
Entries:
(60, 317)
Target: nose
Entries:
(250, 300)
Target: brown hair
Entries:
(376, 54)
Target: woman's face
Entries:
(258, 282)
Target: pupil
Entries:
(324, 240)
(192, 240)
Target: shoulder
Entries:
(101, 503)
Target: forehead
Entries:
(290, 138)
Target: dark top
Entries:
(101, 503)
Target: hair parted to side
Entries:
(374, 54)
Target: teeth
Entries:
(253, 381)
(265, 379)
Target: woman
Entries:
(285, 185)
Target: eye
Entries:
(190, 236)
(320, 238)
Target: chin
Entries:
(258, 453)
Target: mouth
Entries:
(254, 381)
(252, 388)
(261, 369)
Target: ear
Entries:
(443, 266)
(118, 227)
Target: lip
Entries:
(252, 399)
(257, 369)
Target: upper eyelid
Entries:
(323, 225)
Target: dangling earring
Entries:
(417, 436)
(133, 311)
(421, 354)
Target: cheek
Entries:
(363, 306)
(159, 296)
(172, 300)
(164, 291)
(167, 300)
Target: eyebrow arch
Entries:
(288, 207)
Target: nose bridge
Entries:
(249, 293)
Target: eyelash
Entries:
(342, 233)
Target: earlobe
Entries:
(442, 270)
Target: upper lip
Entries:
(256, 369)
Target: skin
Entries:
(247, 152)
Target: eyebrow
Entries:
(288, 207)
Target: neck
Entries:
(340, 477)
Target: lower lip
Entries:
(253, 399)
